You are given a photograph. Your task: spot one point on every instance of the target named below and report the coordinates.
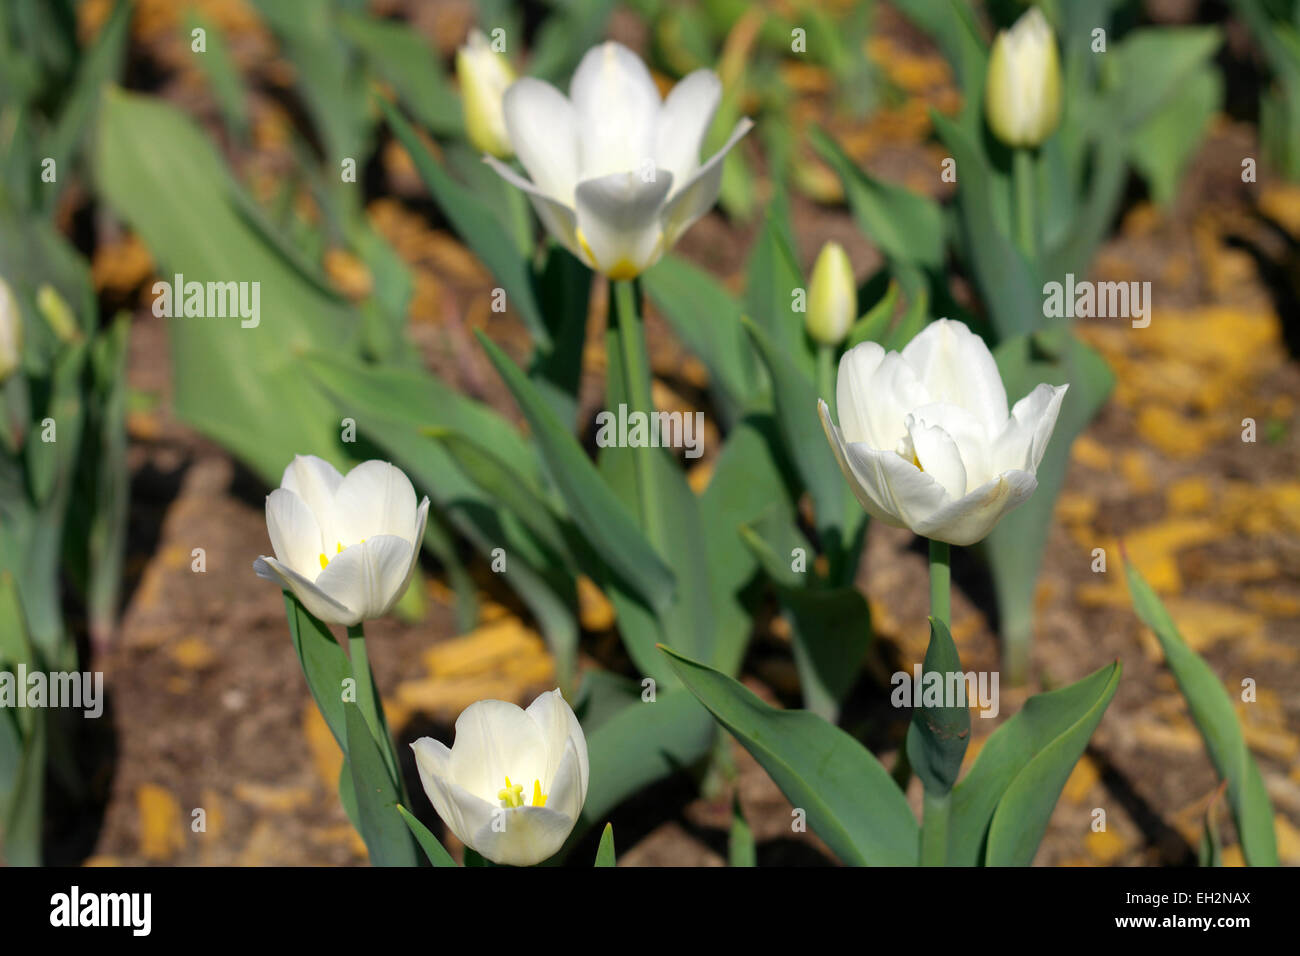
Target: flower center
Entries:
(324, 559)
(512, 794)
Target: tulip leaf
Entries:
(1213, 714)
(851, 801)
(387, 838)
(594, 508)
(1001, 808)
(605, 852)
(907, 226)
(938, 736)
(433, 850)
(564, 284)
(741, 850)
(324, 664)
(874, 326)
(773, 280)
(405, 60)
(477, 225)
(1151, 66)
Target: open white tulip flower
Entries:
(616, 173)
(513, 783)
(925, 439)
(345, 546)
(1022, 92)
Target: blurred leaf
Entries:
(773, 277)
(1212, 711)
(850, 799)
(404, 59)
(221, 73)
(605, 852)
(741, 850)
(1162, 147)
(1150, 66)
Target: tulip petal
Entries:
(560, 221)
(874, 392)
(315, 481)
(696, 197)
(971, 518)
(543, 130)
(967, 432)
(375, 498)
(495, 740)
(619, 222)
(1024, 438)
(561, 729)
(525, 836)
(457, 809)
(568, 788)
(617, 104)
(938, 456)
(683, 122)
(320, 605)
(956, 367)
(368, 577)
(295, 535)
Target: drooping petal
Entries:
(957, 367)
(683, 122)
(937, 455)
(696, 197)
(617, 105)
(560, 220)
(368, 577)
(525, 836)
(315, 481)
(464, 813)
(543, 130)
(971, 518)
(320, 605)
(874, 392)
(295, 535)
(561, 729)
(375, 498)
(1024, 439)
(618, 219)
(495, 740)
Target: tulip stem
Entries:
(630, 360)
(368, 698)
(826, 376)
(934, 828)
(1022, 172)
(940, 582)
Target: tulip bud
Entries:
(484, 76)
(1022, 94)
(832, 296)
(57, 313)
(11, 332)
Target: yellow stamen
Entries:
(539, 798)
(512, 795)
(324, 561)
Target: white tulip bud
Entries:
(1022, 94)
(11, 332)
(484, 77)
(832, 296)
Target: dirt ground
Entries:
(209, 711)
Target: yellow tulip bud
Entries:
(484, 76)
(1022, 94)
(832, 296)
(11, 332)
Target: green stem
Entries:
(826, 376)
(634, 364)
(940, 583)
(368, 699)
(1022, 171)
(934, 829)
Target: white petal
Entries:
(693, 199)
(617, 105)
(368, 577)
(875, 391)
(618, 219)
(543, 131)
(938, 456)
(1028, 430)
(463, 812)
(320, 605)
(957, 367)
(315, 481)
(295, 536)
(560, 220)
(973, 443)
(970, 519)
(560, 726)
(375, 498)
(568, 788)
(530, 835)
(495, 740)
(683, 122)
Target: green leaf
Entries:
(405, 60)
(605, 852)
(1151, 66)
(382, 827)
(850, 799)
(773, 277)
(1162, 147)
(1213, 714)
(594, 508)
(433, 850)
(741, 850)
(938, 736)
(1025, 808)
(477, 225)
(324, 664)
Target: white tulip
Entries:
(925, 439)
(513, 783)
(1022, 91)
(484, 76)
(616, 173)
(11, 332)
(345, 546)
